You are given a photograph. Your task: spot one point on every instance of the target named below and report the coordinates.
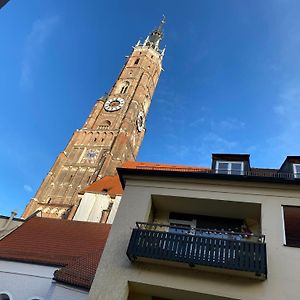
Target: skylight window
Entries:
(231, 167)
(296, 168)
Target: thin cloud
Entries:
(219, 143)
(35, 42)
(287, 112)
(230, 124)
(28, 188)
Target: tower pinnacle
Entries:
(162, 22)
(156, 36)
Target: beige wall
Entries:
(7, 225)
(116, 271)
(92, 205)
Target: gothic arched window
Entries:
(124, 87)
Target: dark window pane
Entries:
(292, 225)
(223, 166)
(236, 166)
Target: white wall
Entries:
(114, 209)
(92, 205)
(22, 281)
(63, 292)
(25, 281)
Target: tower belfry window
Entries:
(124, 87)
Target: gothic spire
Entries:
(156, 36)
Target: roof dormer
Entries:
(291, 165)
(233, 164)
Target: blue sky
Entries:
(231, 82)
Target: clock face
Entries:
(113, 104)
(90, 156)
(140, 122)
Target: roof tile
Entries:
(77, 245)
(107, 184)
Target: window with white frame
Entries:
(230, 167)
(296, 168)
(291, 225)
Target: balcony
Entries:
(239, 253)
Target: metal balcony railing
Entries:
(255, 173)
(202, 247)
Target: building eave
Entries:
(123, 172)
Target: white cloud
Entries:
(287, 112)
(28, 188)
(41, 30)
(218, 143)
(230, 124)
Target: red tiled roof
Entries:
(161, 167)
(112, 184)
(178, 168)
(109, 184)
(58, 243)
(81, 271)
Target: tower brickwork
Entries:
(111, 135)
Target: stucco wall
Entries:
(25, 281)
(22, 281)
(6, 225)
(115, 270)
(63, 292)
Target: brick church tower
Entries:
(111, 135)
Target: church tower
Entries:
(111, 135)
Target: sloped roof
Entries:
(77, 245)
(108, 184)
(112, 185)
(81, 271)
(253, 174)
(161, 167)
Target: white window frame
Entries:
(296, 174)
(229, 166)
(283, 225)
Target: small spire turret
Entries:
(156, 36)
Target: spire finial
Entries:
(162, 22)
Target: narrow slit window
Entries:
(124, 87)
(136, 61)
